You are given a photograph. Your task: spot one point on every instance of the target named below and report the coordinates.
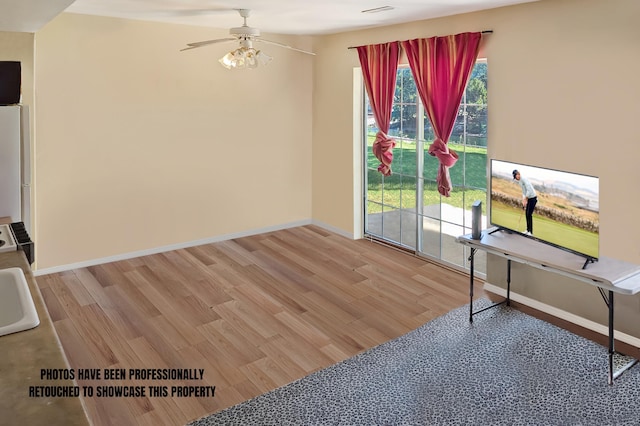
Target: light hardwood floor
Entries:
(255, 313)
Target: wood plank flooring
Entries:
(254, 313)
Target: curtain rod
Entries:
(481, 32)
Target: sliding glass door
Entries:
(405, 208)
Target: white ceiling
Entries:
(28, 16)
(302, 17)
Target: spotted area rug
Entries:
(505, 368)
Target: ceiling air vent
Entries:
(378, 9)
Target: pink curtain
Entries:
(441, 67)
(379, 66)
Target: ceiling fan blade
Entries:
(284, 45)
(207, 43)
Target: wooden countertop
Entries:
(22, 356)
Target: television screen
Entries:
(564, 212)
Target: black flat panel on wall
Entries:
(10, 82)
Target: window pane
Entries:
(476, 125)
(475, 164)
(470, 197)
(457, 172)
(431, 200)
(391, 224)
(428, 129)
(452, 251)
(374, 185)
(452, 208)
(457, 134)
(374, 218)
(406, 91)
(431, 165)
(372, 161)
(409, 192)
(431, 237)
(408, 228)
(391, 190)
(372, 127)
(403, 121)
(409, 116)
(404, 157)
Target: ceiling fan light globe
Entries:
(244, 57)
(263, 58)
(228, 61)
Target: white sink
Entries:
(17, 311)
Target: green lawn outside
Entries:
(400, 188)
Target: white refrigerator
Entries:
(15, 164)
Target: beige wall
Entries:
(141, 146)
(569, 65)
(563, 93)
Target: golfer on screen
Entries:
(529, 199)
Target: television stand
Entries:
(610, 276)
(588, 261)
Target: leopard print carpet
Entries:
(505, 368)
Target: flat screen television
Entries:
(566, 214)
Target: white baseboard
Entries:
(333, 229)
(155, 250)
(559, 313)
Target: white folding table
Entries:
(610, 276)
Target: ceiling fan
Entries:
(246, 56)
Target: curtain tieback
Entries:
(383, 150)
(447, 158)
(441, 151)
